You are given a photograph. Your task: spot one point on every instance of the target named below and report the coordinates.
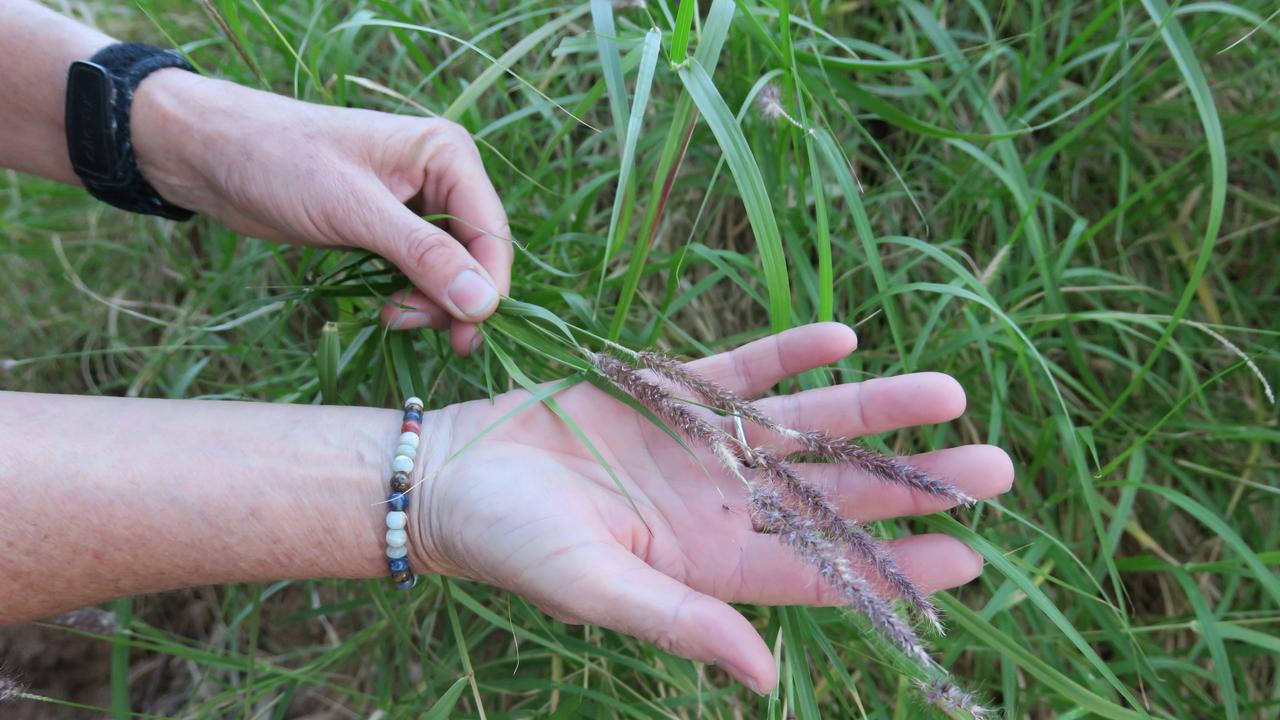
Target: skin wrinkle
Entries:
(668, 637)
(685, 568)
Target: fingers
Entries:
(981, 471)
(866, 408)
(772, 574)
(759, 365)
(436, 263)
(464, 338)
(477, 219)
(449, 272)
(629, 596)
(410, 309)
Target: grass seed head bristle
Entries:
(89, 619)
(10, 688)
(946, 696)
(713, 393)
(670, 410)
(826, 447)
(818, 508)
(840, 450)
(769, 101)
(771, 514)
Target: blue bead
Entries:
(407, 584)
(398, 565)
(413, 415)
(398, 501)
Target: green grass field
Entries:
(1074, 208)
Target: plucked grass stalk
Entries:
(816, 442)
(811, 501)
(819, 509)
(670, 411)
(676, 415)
(772, 514)
(780, 501)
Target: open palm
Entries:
(531, 509)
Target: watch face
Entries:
(90, 122)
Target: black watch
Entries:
(99, 99)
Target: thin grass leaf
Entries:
(745, 171)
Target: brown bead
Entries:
(400, 482)
(402, 576)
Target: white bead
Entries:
(407, 451)
(397, 538)
(402, 463)
(395, 553)
(396, 520)
(414, 401)
(409, 438)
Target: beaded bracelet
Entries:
(398, 500)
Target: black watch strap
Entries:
(99, 100)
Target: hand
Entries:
(279, 169)
(528, 508)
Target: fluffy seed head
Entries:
(671, 411)
(769, 102)
(782, 503)
(10, 688)
(944, 695)
(826, 447)
(815, 505)
(840, 450)
(90, 619)
(771, 514)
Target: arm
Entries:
(276, 168)
(37, 46)
(154, 494)
(106, 497)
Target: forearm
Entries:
(106, 497)
(37, 46)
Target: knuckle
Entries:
(450, 135)
(668, 634)
(428, 252)
(742, 370)
(666, 639)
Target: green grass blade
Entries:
(610, 63)
(1193, 75)
(648, 63)
(745, 171)
(680, 34)
(1016, 650)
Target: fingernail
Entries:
(472, 294)
(411, 319)
(475, 343)
(744, 678)
(978, 563)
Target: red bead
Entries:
(411, 426)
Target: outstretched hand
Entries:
(530, 509)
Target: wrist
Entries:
(425, 520)
(170, 121)
(428, 539)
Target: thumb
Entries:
(435, 262)
(636, 599)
